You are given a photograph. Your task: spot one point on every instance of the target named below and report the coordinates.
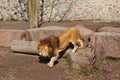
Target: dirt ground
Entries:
(16, 66)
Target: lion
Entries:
(52, 45)
(47, 46)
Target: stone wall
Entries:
(56, 10)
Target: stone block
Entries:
(81, 58)
(87, 35)
(6, 36)
(109, 29)
(84, 31)
(78, 60)
(107, 44)
(43, 32)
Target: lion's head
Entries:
(44, 49)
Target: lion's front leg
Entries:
(53, 59)
(51, 63)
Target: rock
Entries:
(107, 44)
(81, 58)
(110, 29)
(6, 36)
(24, 46)
(84, 31)
(87, 35)
(43, 32)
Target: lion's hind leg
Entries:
(75, 47)
(79, 41)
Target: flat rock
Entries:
(107, 44)
(43, 32)
(81, 59)
(109, 29)
(6, 36)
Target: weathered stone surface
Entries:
(41, 33)
(107, 44)
(87, 35)
(6, 36)
(78, 60)
(110, 29)
(84, 31)
(24, 46)
(83, 58)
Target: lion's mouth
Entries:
(40, 54)
(43, 54)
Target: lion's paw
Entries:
(50, 65)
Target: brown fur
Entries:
(47, 46)
(71, 35)
(51, 46)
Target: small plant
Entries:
(118, 60)
(94, 70)
(107, 60)
(63, 59)
(71, 69)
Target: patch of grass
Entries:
(71, 69)
(108, 60)
(63, 59)
(118, 60)
(94, 71)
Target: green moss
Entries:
(118, 60)
(63, 59)
(84, 50)
(71, 69)
(94, 71)
(107, 60)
